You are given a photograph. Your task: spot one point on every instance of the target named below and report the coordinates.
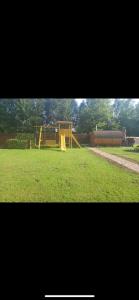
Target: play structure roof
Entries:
(63, 122)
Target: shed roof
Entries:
(109, 133)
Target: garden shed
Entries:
(107, 138)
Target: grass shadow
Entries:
(15, 148)
(131, 150)
(50, 149)
(44, 148)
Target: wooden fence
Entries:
(5, 136)
(94, 141)
(83, 138)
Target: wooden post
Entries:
(71, 134)
(40, 135)
(29, 144)
(35, 137)
(59, 135)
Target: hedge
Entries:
(25, 136)
(136, 149)
(16, 144)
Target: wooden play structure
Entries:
(58, 135)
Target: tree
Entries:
(124, 112)
(60, 109)
(83, 124)
(136, 120)
(66, 110)
(49, 110)
(95, 112)
(29, 112)
(20, 114)
(7, 115)
(23, 114)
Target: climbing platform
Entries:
(61, 136)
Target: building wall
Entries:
(105, 141)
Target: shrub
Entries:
(16, 144)
(136, 149)
(25, 136)
(130, 142)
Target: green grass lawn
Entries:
(75, 175)
(125, 152)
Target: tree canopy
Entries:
(22, 114)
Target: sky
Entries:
(79, 101)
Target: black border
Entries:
(86, 248)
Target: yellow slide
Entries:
(63, 142)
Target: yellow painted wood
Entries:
(40, 135)
(63, 142)
(66, 132)
(75, 140)
(50, 142)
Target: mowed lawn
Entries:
(125, 152)
(76, 175)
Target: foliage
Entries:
(25, 136)
(125, 114)
(29, 112)
(130, 141)
(16, 144)
(21, 115)
(60, 110)
(136, 149)
(8, 121)
(96, 112)
(21, 141)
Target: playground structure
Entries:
(58, 135)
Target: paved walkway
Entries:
(121, 161)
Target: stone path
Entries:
(120, 161)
